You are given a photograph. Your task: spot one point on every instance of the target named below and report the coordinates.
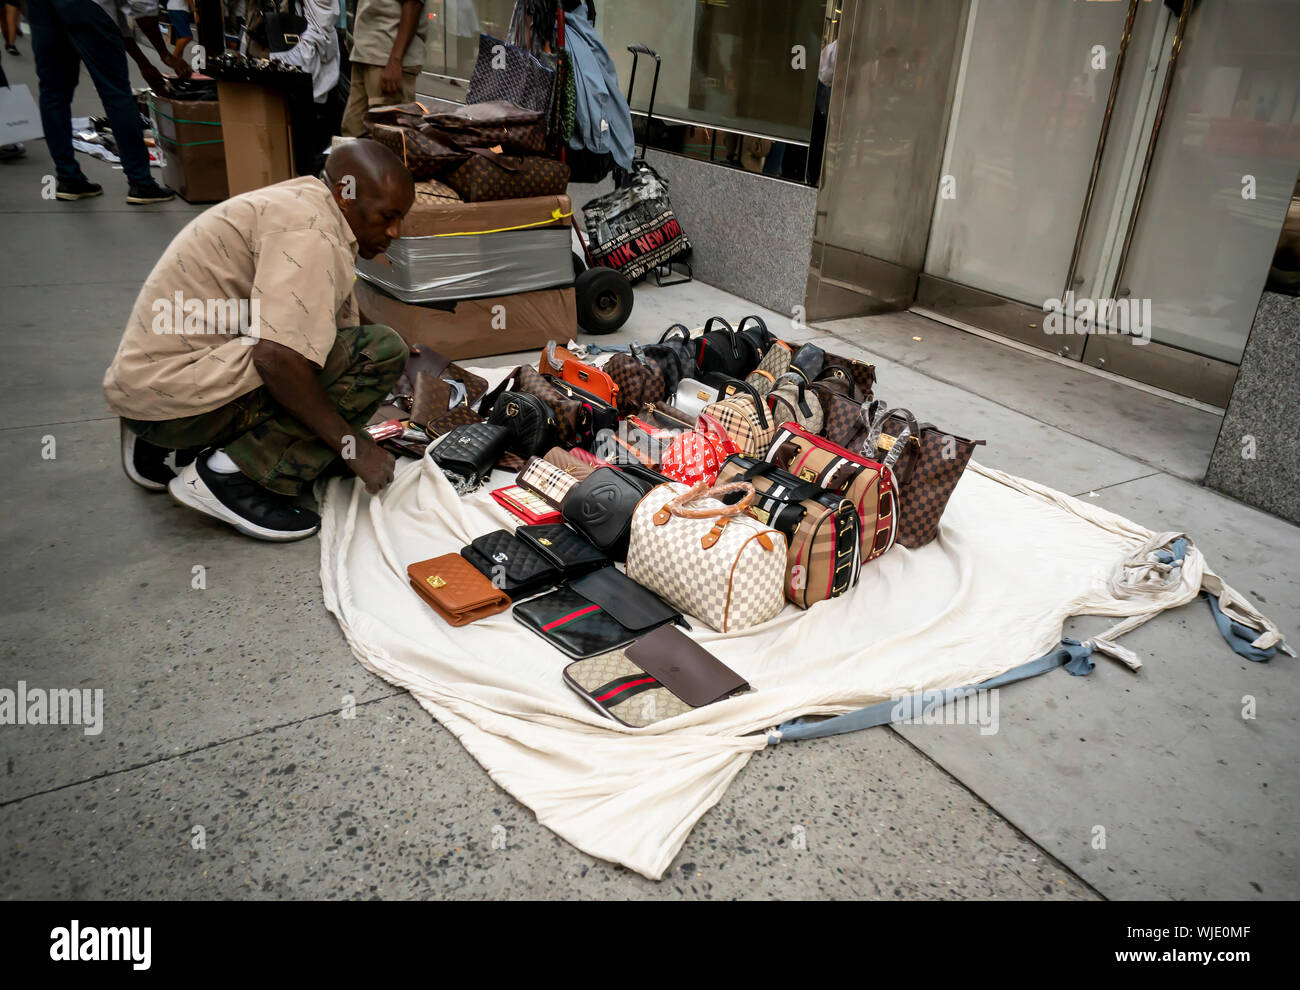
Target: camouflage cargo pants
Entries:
(269, 445)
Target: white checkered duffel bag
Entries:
(706, 558)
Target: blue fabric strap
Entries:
(1071, 654)
(1237, 636)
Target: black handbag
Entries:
(467, 454)
(515, 75)
(528, 420)
(675, 356)
(511, 564)
(601, 506)
(808, 362)
(564, 547)
(760, 338)
(279, 31)
(596, 613)
(729, 351)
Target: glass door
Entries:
(1115, 178)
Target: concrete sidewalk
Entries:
(226, 769)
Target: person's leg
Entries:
(11, 15)
(354, 114)
(181, 32)
(57, 68)
(99, 43)
(284, 456)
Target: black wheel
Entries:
(604, 300)
(579, 266)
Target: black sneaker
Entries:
(148, 192)
(81, 188)
(242, 503)
(12, 49)
(145, 463)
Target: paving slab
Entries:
(1167, 435)
(1196, 801)
(387, 804)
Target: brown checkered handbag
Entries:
(425, 157)
(639, 378)
(926, 471)
(487, 175)
(747, 420)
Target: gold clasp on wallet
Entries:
(436, 582)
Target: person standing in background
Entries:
(180, 16)
(66, 33)
(387, 56)
(12, 17)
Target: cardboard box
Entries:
(258, 141)
(191, 137)
(475, 327)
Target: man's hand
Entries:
(179, 66)
(156, 80)
(372, 464)
(390, 79)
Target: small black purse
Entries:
(600, 507)
(528, 420)
(467, 454)
(511, 564)
(564, 547)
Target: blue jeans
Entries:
(66, 33)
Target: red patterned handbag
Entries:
(698, 455)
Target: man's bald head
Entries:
(373, 189)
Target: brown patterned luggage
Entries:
(823, 531)
(492, 124)
(928, 468)
(486, 175)
(425, 157)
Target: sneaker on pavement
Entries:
(145, 463)
(81, 188)
(242, 503)
(140, 193)
(15, 150)
(12, 49)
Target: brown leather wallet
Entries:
(456, 589)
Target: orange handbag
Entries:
(591, 379)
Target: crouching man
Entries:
(243, 354)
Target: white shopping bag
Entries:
(19, 118)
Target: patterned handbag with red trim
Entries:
(698, 455)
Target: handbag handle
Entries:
(878, 414)
(679, 505)
(799, 397)
(502, 162)
(638, 352)
(727, 326)
(668, 334)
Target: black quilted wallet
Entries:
(467, 454)
(594, 614)
(513, 565)
(565, 548)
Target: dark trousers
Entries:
(269, 445)
(66, 33)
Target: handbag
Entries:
(600, 414)
(724, 351)
(633, 229)
(586, 377)
(663, 674)
(455, 589)
(467, 454)
(931, 464)
(487, 175)
(507, 72)
(279, 31)
(707, 558)
(528, 421)
(430, 407)
(775, 363)
(573, 419)
(567, 549)
(675, 355)
(747, 420)
(638, 379)
(790, 403)
(511, 564)
(822, 530)
(600, 507)
(516, 130)
(841, 415)
(426, 359)
(577, 462)
(396, 115)
(869, 486)
(668, 417)
(807, 362)
(425, 157)
(698, 455)
(595, 613)
(548, 481)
